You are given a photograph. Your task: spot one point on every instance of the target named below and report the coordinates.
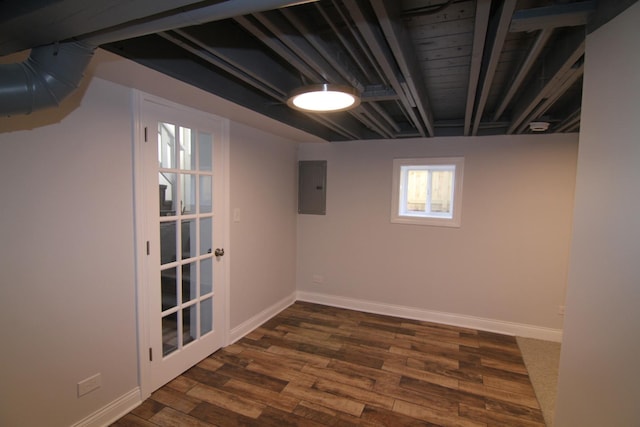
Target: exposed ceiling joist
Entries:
(497, 41)
(555, 92)
(570, 122)
(376, 43)
(483, 7)
(277, 46)
(386, 117)
(423, 67)
(213, 59)
(360, 44)
(525, 69)
(314, 52)
(550, 17)
(359, 59)
(388, 15)
(369, 117)
(60, 20)
(290, 48)
(560, 62)
(241, 64)
(189, 17)
(325, 52)
(296, 43)
(379, 93)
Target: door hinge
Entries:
(150, 354)
(145, 134)
(148, 248)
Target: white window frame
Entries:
(399, 194)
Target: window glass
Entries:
(416, 190)
(427, 191)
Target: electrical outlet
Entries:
(317, 278)
(561, 310)
(87, 385)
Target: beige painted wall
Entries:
(263, 242)
(67, 294)
(508, 260)
(599, 380)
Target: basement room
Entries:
(319, 213)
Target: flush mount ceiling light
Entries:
(538, 126)
(324, 98)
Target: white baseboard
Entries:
(249, 325)
(113, 411)
(483, 324)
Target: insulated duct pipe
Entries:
(44, 79)
(52, 72)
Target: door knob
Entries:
(219, 252)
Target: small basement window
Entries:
(427, 191)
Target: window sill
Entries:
(432, 222)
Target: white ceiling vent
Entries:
(538, 126)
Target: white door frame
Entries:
(144, 342)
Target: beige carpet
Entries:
(542, 359)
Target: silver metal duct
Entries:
(48, 76)
(52, 72)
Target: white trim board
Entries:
(483, 324)
(249, 325)
(113, 411)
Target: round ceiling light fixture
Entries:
(538, 126)
(324, 98)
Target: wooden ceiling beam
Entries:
(569, 122)
(375, 42)
(525, 69)
(193, 46)
(560, 62)
(554, 94)
(497, 41)
(483, 7)
(277, 46)
(388, 14)
(550, 17)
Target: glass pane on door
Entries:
(205, 194)
(188, 198)
(185, 177)
(189, 324)
(169, 293)
(206, 236)
(206, 151)
(168, 193)
(169, 334)
(187, 149)
(189, 281)
(167, 145)
(206, 276)
(189, 241)
(206, 315)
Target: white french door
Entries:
(181, 219)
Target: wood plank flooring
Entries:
(314, 365)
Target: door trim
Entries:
(138, 98)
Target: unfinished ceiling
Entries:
(424, 67)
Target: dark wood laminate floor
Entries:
(314, 365)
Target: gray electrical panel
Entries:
(312, 187)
